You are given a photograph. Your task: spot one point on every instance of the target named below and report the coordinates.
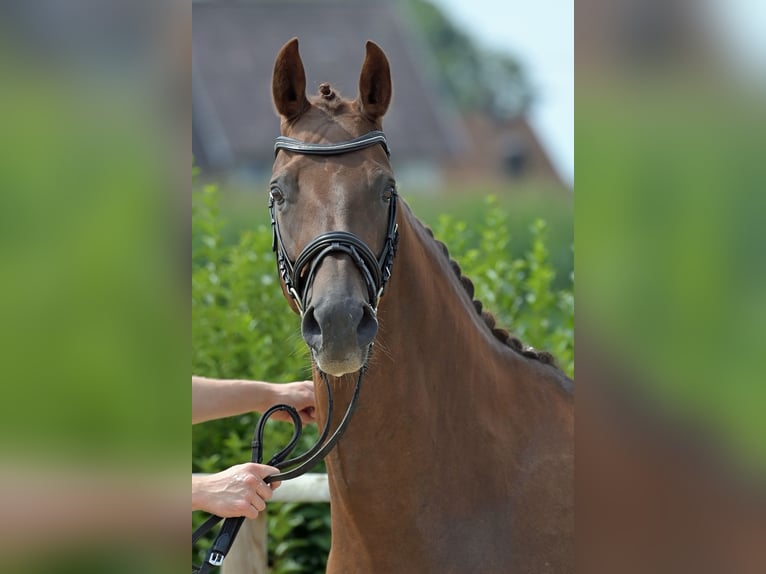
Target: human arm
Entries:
(218, 398)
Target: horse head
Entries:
(333, 207)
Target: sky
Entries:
(540, 33)
(739, 26)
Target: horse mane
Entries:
(502, 335)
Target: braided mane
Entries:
(500, 334)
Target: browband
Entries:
(367, 140)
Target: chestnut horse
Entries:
(459, 457)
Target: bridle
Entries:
(298, 277)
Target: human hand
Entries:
(236, 491)
(300, 396)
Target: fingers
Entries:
(251, 512)
(269, 471)
(299, 395)
(255, 491)
(264, 470)
(308, 415)
(255, 480)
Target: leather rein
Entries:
(298, 277)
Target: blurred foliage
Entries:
(299, 536)
(243, 328)
(670, 259)
(519, 206)
(477, 79)
(87, 272)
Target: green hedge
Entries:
(243, 328)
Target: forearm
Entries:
(199, 501)
(217, 398)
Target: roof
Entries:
(504, 149)
(234, 47)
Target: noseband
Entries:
(298, 276)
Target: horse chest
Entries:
(423, 546)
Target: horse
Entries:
(459, 457)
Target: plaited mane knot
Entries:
(467, 285)
(325, 90)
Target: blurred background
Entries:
(670, 138)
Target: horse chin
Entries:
(339, 366)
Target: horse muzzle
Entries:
(339, 332)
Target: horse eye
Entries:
(388, 193)
(276, 195)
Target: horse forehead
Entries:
(337, 122)
(340, 174)
(342, 182)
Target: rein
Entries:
(298, 277)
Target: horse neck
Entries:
(435, 360)
(429, 328)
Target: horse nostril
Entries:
(312, 332)
(367, 328)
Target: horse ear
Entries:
(375, 83)
(288, 84)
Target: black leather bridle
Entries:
(298, 277)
